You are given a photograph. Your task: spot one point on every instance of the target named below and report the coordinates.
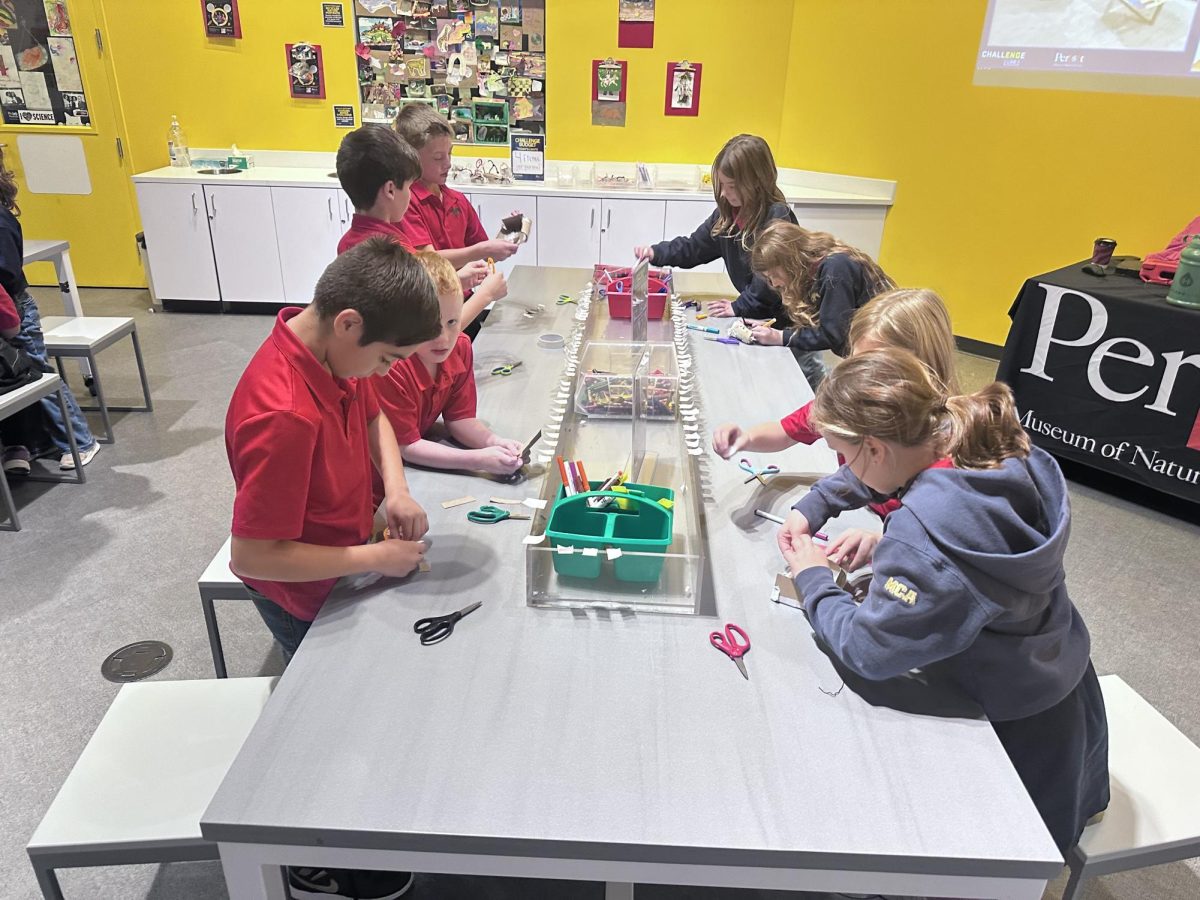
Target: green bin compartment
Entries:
(643, 526)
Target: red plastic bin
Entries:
(620, 298)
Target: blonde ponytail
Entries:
(891, 395)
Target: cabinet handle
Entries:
(329, 203)
(592, 223)
(608, 221)
(212, 207)
(194, 207)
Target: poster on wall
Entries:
(40, 79)
(635, 23)
(306, 71)
(333, 15)
(528, 157)
(683, 89)
(479, 63)
(221, 18)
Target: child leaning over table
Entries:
(969, 582)
(304, 433)
(438, 380)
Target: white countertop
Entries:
(319, 176)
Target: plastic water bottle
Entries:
(177, 145)
(1185, 286)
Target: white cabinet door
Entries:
(685, 216)
(627, 224)
(858, 226)
(243, 237)
(568, 231)
(175, 223)
(309, 222)
(492, 208)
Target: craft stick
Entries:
(457, 501)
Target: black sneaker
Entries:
(343, 884)
(381, 885)
(320, 884)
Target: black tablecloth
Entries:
(1107, 373)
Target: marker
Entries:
(704, 328)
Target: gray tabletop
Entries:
(618, 736)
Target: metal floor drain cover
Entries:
(134, 662)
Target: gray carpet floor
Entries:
(115, 560)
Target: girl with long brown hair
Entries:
(29, 338)
(822, 282)
(969, 582)
(748, 199)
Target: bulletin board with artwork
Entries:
(480, 63)
(40, 81)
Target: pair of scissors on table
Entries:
(564, 299)
(760, 474)
(490, 515)
(734, 643)
(506, 369)
(437, 628)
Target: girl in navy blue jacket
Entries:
(748, 199)
(29, 338)
(822, 282)
(968, 580)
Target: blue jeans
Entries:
(31, 341)
(286, 628)
(812, 365)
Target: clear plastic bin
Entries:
(607, 381)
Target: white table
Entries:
(59, 252)
(616, 746)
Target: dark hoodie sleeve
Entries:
(689, 251)
(841, 285)
(918, 611)
(759, 301)
(12, 274)
(833, 495)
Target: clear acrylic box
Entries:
(607, 380)
(649, 444)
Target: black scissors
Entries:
(437, 628)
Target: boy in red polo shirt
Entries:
(439, 217)
(438, 380)
(303, 430)
(376, 169)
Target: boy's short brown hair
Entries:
(384, 284)
(420, 123)
(441, 272)
(371, 156)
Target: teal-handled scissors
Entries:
(490, 515)
(506, 369)
(564, 299)
(761, 474)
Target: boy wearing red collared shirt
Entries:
(438, 381)
(303, 433)
(376, 169)
(440, 218)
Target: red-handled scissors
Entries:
(734, 643)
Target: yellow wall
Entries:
(994, 184)
(236, 90)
